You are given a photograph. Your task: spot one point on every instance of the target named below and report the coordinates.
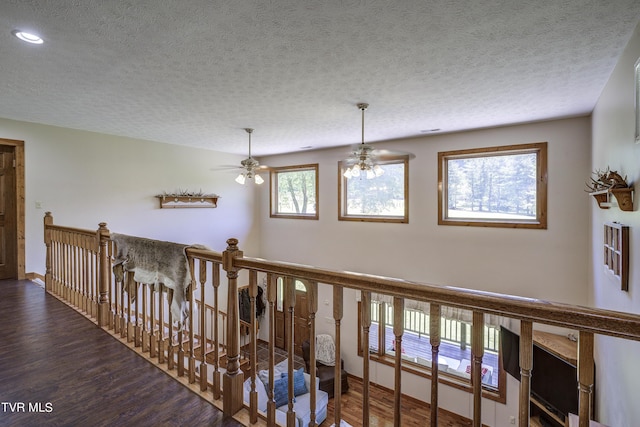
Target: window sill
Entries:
(497, 395)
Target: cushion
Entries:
(302, 408)
(263, 375)
(277, 372)
(280, 391)
(281, 367)
(262, 394)
(299, 387)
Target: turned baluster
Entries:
(585, 377)
(477, 353)
(137, 324)
(203, 327)
(123, 331)
(181, 352)
(60, 266)
(272, 294)
(67, 272)
(526, 365)
(153, 340)
(52, 259)
(366, 325)
(116, 306)
(434, 339)
(253, 360)
(290, 298)
(190, 296)
(312, 301)
(145, 318)
(129, 324)
(84, 274)
(59, 289)
(110, 282)
(95, 274)
(75, 280)
(215, 278)
(171, 356)
(65, 268)
(398, 331)
(161, 341)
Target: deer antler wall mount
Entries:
(603, 183)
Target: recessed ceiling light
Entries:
(27, 37)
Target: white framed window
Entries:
(294, 192)
(384, 198)
(503, 186)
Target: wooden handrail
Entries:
(78, 270)
(605, 322)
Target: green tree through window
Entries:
(294, 192)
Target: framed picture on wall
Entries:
(637, 87)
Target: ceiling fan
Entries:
(364, 157)
(250, 166)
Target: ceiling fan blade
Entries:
(226, 168)
(383, 153)
(375, 153)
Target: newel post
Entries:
(104, 237)
(233, 378)
(48, 221)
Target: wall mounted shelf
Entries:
(172, 202)
(624, 197)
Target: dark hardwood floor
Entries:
(59, 369)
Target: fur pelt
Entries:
(156, 263)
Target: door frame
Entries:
(19, 201)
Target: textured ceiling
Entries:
(196, 72)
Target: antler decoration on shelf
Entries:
(605, 181)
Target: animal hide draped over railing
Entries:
(156, 263)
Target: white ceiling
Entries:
(197, 72)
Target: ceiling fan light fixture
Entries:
(363, 157)
(249, 166)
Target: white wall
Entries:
(84, 178)
(617, 375)
(549, 264)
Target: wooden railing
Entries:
(78, 270)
